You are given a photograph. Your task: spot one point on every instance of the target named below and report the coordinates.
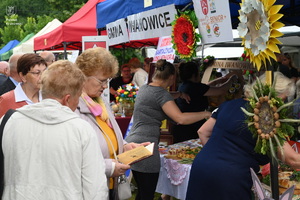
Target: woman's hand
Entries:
(120, 169)
(185, 96)
(133, 145)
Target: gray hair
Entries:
(283, 86)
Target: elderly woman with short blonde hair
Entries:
(99, 66)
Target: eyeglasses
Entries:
(105, 82)
(38, 73)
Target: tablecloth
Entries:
(173, 176)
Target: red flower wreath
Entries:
(184, 37)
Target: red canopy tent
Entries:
(68, 36)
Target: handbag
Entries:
(122, 185)
(124, 190)
(4, 120)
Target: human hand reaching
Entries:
(185, 96)
(133, 145)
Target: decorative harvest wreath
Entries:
(267, 119)
(257, 28)
(184, 37)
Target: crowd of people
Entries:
(62, 140)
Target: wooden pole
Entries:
(273, 162)
(274, 179)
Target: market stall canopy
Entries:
(6, 55)
(27, 47)
(222, 52)
(68, 36)
(235, 49)
(11, 44)
(112, 10)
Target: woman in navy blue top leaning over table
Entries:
(221, 170)
(153, 104)
(198, 92)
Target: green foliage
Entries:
(33, 15)
(30, 26)
(267, 179)
(42, 21)
(65, 8)
(295, 176)
(12, 30)
(124, 55)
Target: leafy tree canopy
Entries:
(32, 16)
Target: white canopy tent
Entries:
(222, 52)
(290, 38)
(27, 47)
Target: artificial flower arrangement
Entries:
(268, 119)
(184, 36)
(206, 61)
(246, 73)
(127, 93)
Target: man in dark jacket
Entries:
(4, 71)
(13, 79)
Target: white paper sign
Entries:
(73, 56)
(152, 23)
(117, 32)
(165, 50)
(214, 20)
(147, 3)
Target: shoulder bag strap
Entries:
(5, 118)
(105, 135)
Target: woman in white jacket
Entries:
(50, 153)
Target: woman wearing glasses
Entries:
(99, 65)
(30, 68)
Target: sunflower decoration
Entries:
(184, 36)
(267, 119)
(258, 30)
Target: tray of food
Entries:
(184, 152)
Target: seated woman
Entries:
(30, 68)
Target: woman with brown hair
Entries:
(147, 62)
(30, 68)
(140, 76)
(153, 104)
